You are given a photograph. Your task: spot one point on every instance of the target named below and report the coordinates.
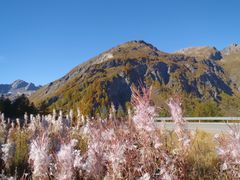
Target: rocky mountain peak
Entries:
(135, 46)
(19, 84)
(138, 45)
(17, 88)
(202, 52)
(128, 50)
(232, 49)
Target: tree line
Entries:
(16, 107)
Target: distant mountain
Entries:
(232, 49)
(231, 63)
(202, 52)
(107, 78)
(17, 88)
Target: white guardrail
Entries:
(203, 119)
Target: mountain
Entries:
(17, 88)
(202, 52)
(232, 49)
(231, 63)
(108, 78)
(229, 59)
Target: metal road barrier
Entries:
(209, 124)
(203, 119)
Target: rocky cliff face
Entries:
(17, 88)
(108, 77)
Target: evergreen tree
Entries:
(17, 107)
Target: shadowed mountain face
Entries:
(17, 88)
(108, 78)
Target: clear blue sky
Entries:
(41, 40)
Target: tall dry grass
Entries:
(50, 147)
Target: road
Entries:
(209, 127)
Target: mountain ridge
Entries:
(202, 52)
(231, 49)
(18, 87)
(108, 77)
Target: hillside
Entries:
(108, 78)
